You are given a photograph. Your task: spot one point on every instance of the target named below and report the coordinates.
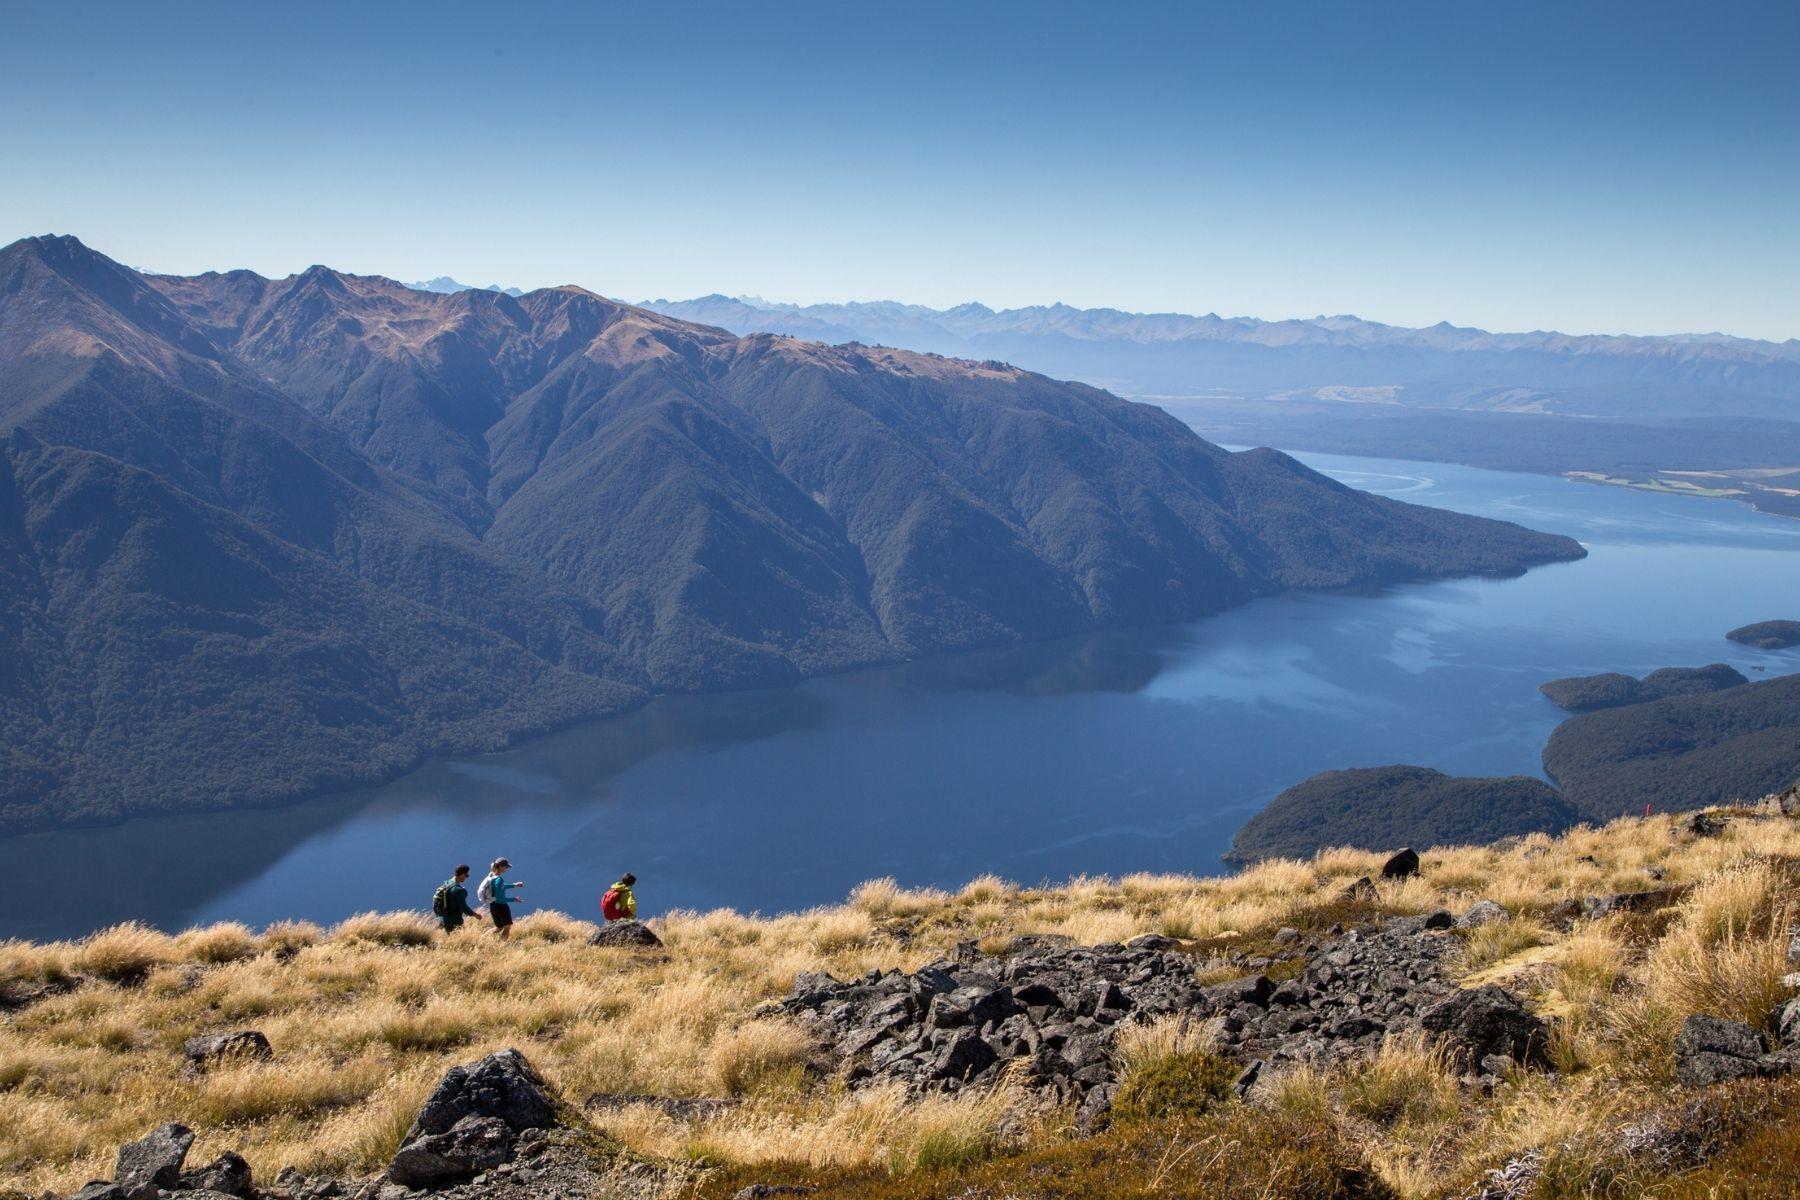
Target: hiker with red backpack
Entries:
(619, 902)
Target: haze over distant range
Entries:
(1706, 414)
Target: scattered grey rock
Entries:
(1287, 935)
(764, 1191)
(1489, 1020)
(99, 1189)
(1482, 912)
(1401, 865)
(1566, 912)
(472, 1145)
(18, 993)
(1787, 1021)
(153, 1162)
(1051, 1013)
(633, 934)
(1438, 920)
(1362, 889)
(680, 1108)
(1711, 1050)
(1591, 907)
(228, 1174)
(207, 1049)
(1246, 1079)
(1703, 824)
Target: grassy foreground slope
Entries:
(365, 1016)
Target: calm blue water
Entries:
(1137, 750)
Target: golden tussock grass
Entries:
(365, 1016)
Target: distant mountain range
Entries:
(1700, 414)
(1173, 354)
(446, 285)
(264, 537)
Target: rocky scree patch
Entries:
(1051, 1012)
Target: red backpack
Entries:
(610, 906)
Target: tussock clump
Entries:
(31, 963)
(1726, 953)
(438, 1026)
(758, 1056)
(1176, 1086)
(125, 953)
(1407, 1081)
(225, 942)
(387, 929)
(552, 926)
(288, 938)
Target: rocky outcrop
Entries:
(502, 1085)
(629, 934)
(472, 1120)
(1712, 1050)
(1488, 1023)
(153, 1162)
(1051, 1012)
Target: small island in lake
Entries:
(1680, 753)
(1768, 635)
(1588, 693)
(1376, 808)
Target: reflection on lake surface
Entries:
(1114, 752)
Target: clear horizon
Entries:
(1593, 169)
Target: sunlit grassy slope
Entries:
(364, 1017)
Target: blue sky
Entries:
(1581, 166)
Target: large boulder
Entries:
(209, 1048)
(502, 1085)
(472, 1120)
(153, 1162)
(1711, 1050)
(466, 1149)
(632, 934)
(1488, 1020)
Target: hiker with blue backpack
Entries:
(450, 903)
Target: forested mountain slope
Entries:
(262, 537)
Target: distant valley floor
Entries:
(1753, 461)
